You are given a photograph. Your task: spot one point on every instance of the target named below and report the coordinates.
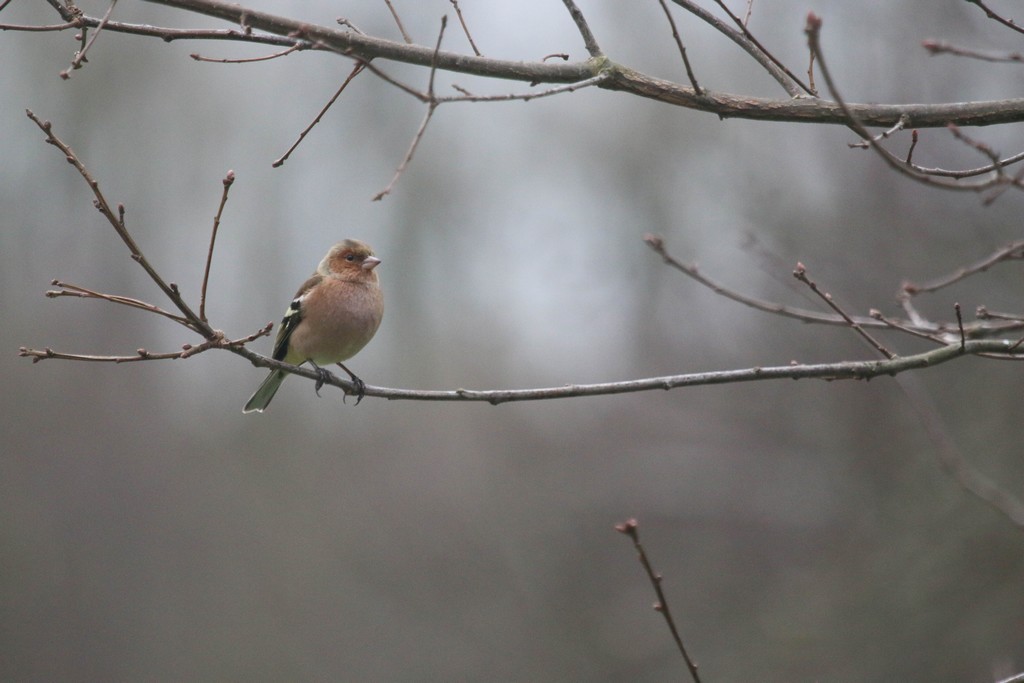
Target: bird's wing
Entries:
(292, 317)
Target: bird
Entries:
(332, 317)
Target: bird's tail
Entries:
(261, 399)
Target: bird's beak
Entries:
(370, 262)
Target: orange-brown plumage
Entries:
(333, 316)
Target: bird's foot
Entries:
(360, 390)
(321, 378)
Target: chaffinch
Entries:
(333, 316)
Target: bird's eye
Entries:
(350, 257)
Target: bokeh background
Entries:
(150, 531)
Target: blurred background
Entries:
(150, 531)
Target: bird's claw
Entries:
(360, 385)
(321, 379)
(360, 388)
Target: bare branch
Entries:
(813, 31)
(251, 60)
(682, 50)
(813, 110)
(916, 325)
(357, 45)
(398, 21)
(466, 96)
(885, 134)
(960, 324)
(1013, 251)
(305, 131)
(903, 327)
(867, 369)
(937, 47)
(802, 314)
(432, 104)
(465, 29)
(1008, 23)
(141, 355)
(589, 41)
(39, 29)
(966, 172)
(70, 290)
(353, 44)
(801, 274)
(750, 10)
(76, 63)
(229, 180)
(631, 528)
(910, 150)
(742, 37)
(169, 289)
(218, 341)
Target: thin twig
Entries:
(692, 271)
(981, 147)
(187, 350)
(936, 47)
(960, 324)
(1014, 251)
(408, 155)
(630, 528)
(432, 104)
(910, 150)
(790, 83)
(141, 355)
(465, 29)
(355, 72)
(345, 22)
(682, 49)
(916, 324)
(885, 134)
(960, 173)
(800, 273)
(250, 60)
(810, 74)
(742, 25)
(902, 327)
(589, 41)
(77, 291)
(813, 31)
(229, 180)
(401, 29)
(39, 29)
(985, 314)
(1008, 23)
(1016, 181)
(76, 63)
(525, 97)
(117, 222)
(467, 96)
